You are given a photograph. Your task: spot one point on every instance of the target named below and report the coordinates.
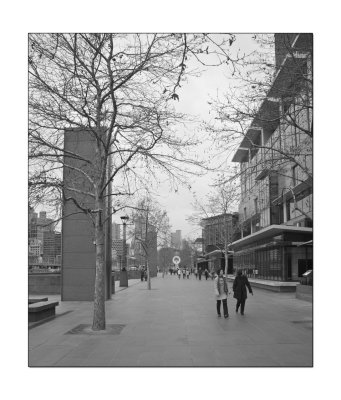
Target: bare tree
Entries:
(118, 88)
(152, 229)
(220, 202)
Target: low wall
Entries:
(277, 288)
(274, 286)
(44, 283)
(50, 283)
(304, 292)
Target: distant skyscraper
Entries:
(116, 231)
(176, 239)
(41, 236)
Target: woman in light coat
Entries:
(221, 291)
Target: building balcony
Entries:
(301, 190)
(262, 127)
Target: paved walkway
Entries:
(175, 324)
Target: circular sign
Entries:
(176, 260)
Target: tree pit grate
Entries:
(86, 329)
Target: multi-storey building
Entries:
(42, 239)
(37, 225)
(176, 239)
(275, 158)
(58, 245)
(35, 249)
(116, 231)
(218, 232)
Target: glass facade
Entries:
(266, 263)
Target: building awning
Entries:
(270, 231)
(308, 243)
(287, 74)
(266, 120)
(215, 253)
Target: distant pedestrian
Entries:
(179, 273)
(196, 273)
(183, 273)
(221, 291)
(206, 273)
(240, 293)
(142, 274)
(200, 273)
(187, 273)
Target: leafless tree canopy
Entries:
(121, 88)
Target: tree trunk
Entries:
(226, 246)
(226, 258)
(148, 276)
(99, 295)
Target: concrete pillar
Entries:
(285, 217)
(78, 234)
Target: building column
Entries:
(285, 217)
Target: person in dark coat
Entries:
(206, 273)
(240, 293)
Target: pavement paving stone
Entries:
(176, 325)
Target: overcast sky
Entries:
(194, 97)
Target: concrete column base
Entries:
(123, 278)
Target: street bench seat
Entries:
(41, 310)
(31, 301)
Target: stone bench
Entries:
(41, 310)
(31, 301)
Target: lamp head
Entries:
(124, 218)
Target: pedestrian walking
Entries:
(240, 293)
(142, 274)
(179, 273)
(206, 273)
(183, 273)
(187, 273)
(221, 291)
(196, 273)
(200, 273)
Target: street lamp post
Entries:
(124, 272)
